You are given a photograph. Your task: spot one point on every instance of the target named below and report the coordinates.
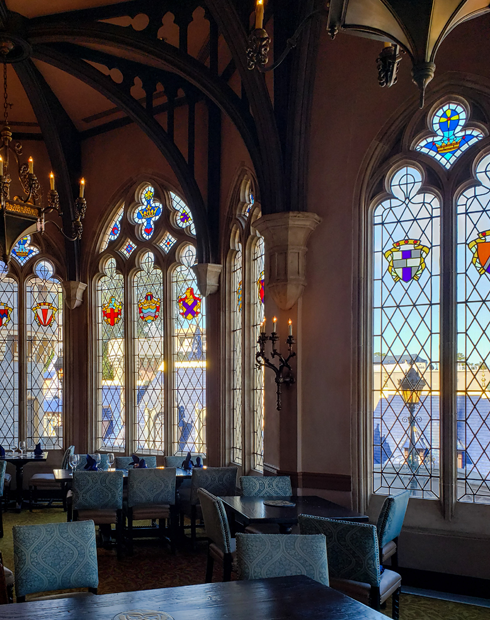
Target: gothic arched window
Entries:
(151, 329)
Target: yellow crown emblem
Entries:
(447, 147)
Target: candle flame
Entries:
(30, 159)
(51, 175)
(290, 322)
(274, 319)
(82, 181)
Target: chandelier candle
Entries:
(259, 14)
(82, 188)
(51, 180)
(31, 165)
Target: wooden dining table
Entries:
(19, 460)
(254, 510)
(280, 598)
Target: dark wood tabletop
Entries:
(281, 598)
(19, 460)
(64, 475)
(248, 510)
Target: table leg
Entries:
(19, 479)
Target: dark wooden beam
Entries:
(214, 172)
(63, 145)
(3, 15)
(104, 85)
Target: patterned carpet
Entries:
(153, 566)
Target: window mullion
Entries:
(129, 353)
(168, 365)
(23, 350)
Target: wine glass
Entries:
(72, 461)
(98, 458)
(22, 447)
(110, 459)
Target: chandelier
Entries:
(22, 208)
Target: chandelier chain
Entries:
(5, 101)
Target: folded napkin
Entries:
(198, 462)
(91, 464)
(142, 464)
(187, 464)
(2, 451)
(38, 450)
(137, 462)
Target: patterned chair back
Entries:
(391, 517)
(97, 490)
(55, 556)
(275, 555)
(215, 520)
(266, 486)
(176, 461)
(352, 548)
(65, 463)
(216, 480)
(3, 467)
(104, 462)
(151, 486)
(123, 462)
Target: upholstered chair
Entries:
(222, 546)
(98, 497)
(353, 561)
(6, 583)
(216, 480)
(123, 462)
(265, 486)
(3, 467)
(278, 555)
(152, 495)
(389, 526)
(46, 481)
(55, 556)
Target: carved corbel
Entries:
(286, 235)
(73, 293)
(207, 275)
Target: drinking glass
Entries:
(72, 461)
(22, 447)
(97, 459)
(110, 459)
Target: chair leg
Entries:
(394, 557)
(173, 529)
(193, 527)
(375, 598)
(130, 531)
(395, 609)
(31, 499)
(1, 521)
(209, 568)
(227, 562)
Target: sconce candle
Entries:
(1, 166)
(82, 188)
(290, 323)
(31, 165)
(51, 180)
(259, 14)
(274, 321)
(262, 327)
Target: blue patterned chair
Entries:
(265, 486)
(353, 561)
(98, 497)
(222, 547)
(123, 462)
(82, 461)
(260, 556)
(6, 583)
(216, 480)
(55, 556)
(389, 526)
(152, 495)
(3, 467)
(46, 481)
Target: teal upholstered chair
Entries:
(82, 461)
(389, 526)
(222, 547)
(124, 462)
(265, 486)
(98, 497)
(278, 555)
(46, 481)
(353, 561)
(6, 583)
(55, 556)
(3, 467)
(216, 480)
(152, 495)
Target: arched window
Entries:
(431, 352)
(245, 300)
(151, 329)
(31, 331)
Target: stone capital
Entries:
(207, 275)
(73, 293)
(286, 235)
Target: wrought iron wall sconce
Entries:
(283, 371)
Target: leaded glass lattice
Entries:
(257, 305)
(237, 352)
(189, 357)
(114, 229)
(128, 248)
(148, 212)
(23, 250)
(44, 331)
(406, 338)
(183, 216)
(149, 357)
(452, 137)
(111, 413)
(167, 242)
(473, 339)
(9, 360)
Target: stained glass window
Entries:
(111, 395)
(44, 330)
(257, 299)
(9, 360)
(249, 205)
(183, 216)
(148, 212)
(114, 230)
(452, 136)
(473, 339)
(128, 248)
(23, 250)
(149, 382)
(167, 242)
(406, 338)
(189, 357)
(237, 352)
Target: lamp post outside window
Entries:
(411, 387)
